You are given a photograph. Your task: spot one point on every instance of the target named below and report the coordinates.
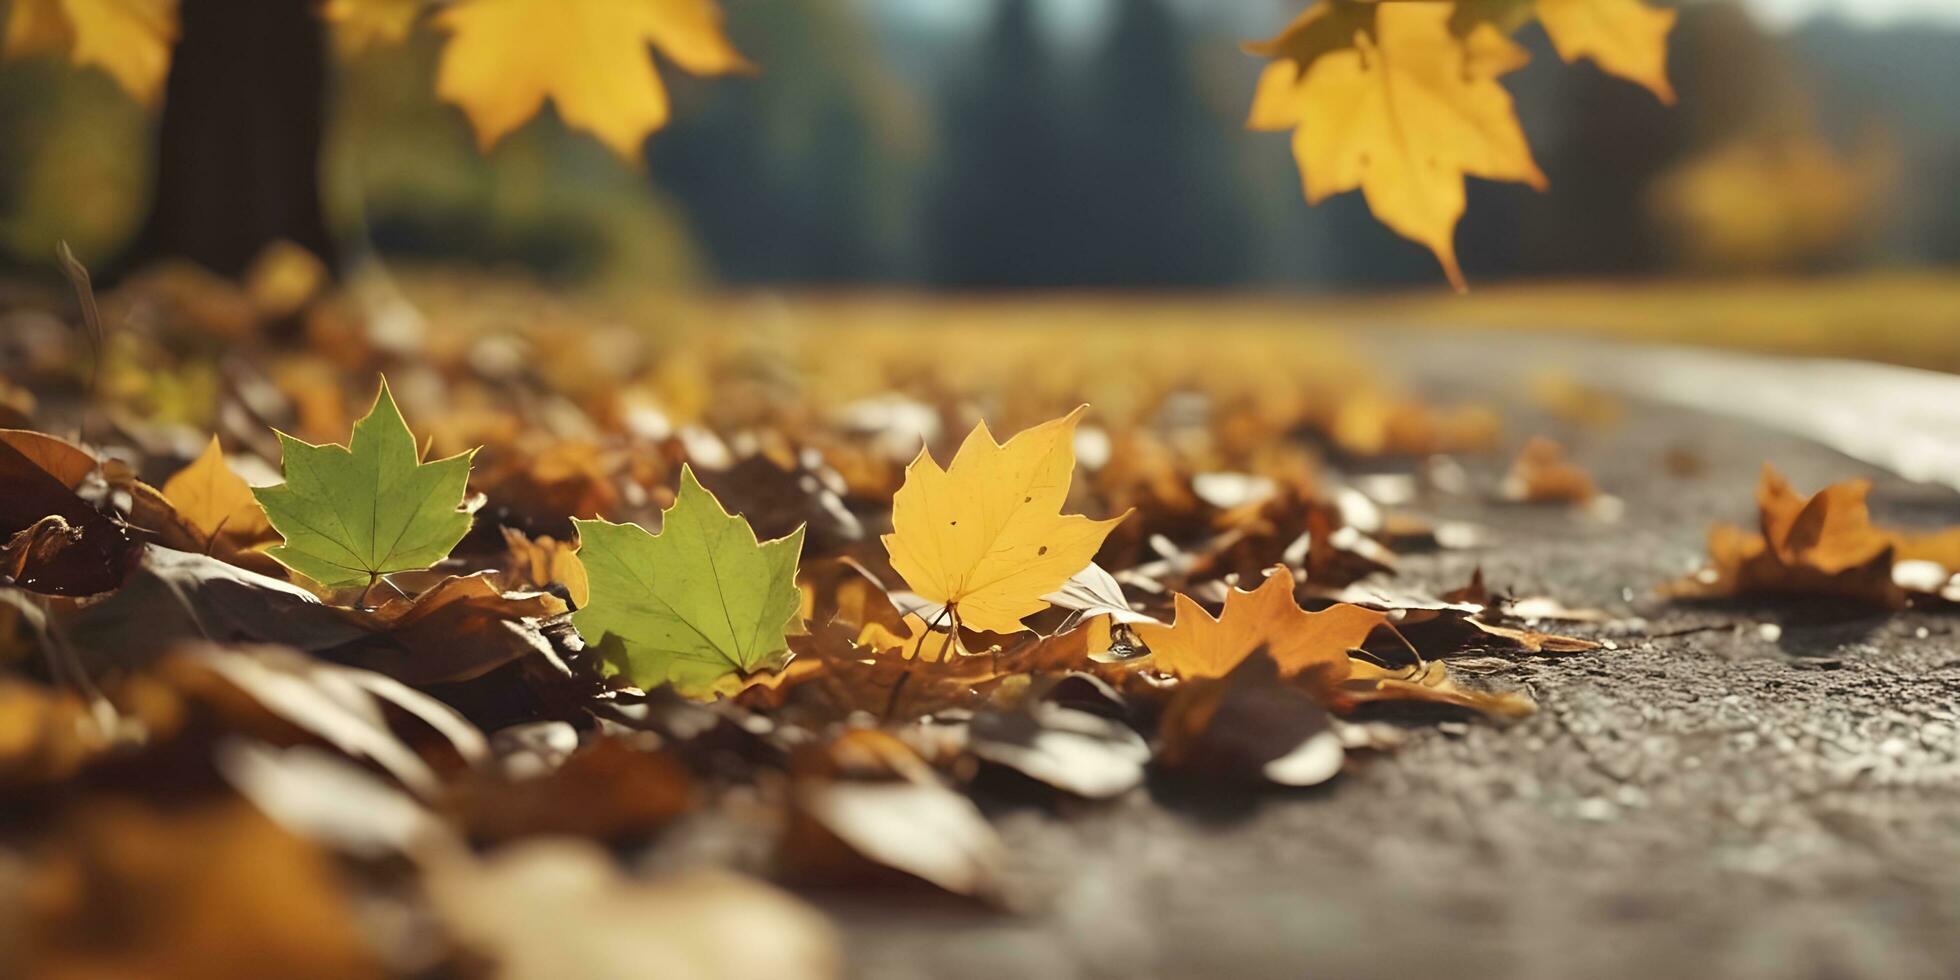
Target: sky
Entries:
(1873, 13)
(1078, 18)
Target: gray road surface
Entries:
(1718, 800)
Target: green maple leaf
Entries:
(696, 605)
(351, 514)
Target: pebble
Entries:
(1596, 809)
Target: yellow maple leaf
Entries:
(986, 534)
(589, 57)
(1401, 108)
(216, 500)
(1627, 38)
(1196, 645)
(129, 39)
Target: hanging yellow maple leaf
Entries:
(986, 534)
(589, 57)
(1627, 38)
(1391, 101)
(1196, 645)
(129, 39)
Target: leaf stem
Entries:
(952, 629)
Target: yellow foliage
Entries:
(985, 535)
(1769, 203)
(1401, 100)
(1627, 38)
(1404, 114)
(504, 58)
(129, 39)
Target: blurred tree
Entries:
(1610, 144)
(797, 174)
(1008, 206)
(1606, 141)
(1165, 205)
(238, 155)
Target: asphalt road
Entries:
(1738, 791)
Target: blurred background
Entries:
(1012, 144)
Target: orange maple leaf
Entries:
(1197, 645)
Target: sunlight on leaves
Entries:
(697, 604)
(1197, 645)
(351, 514)
(985, 535)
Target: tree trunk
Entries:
(238, 155)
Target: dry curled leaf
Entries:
(1824, 544)
(535, 564)
(1248, 726)
(1428, 683)
(57, 543)
(342, 707)
(461, 628)
(609, 790)
(1541, 474)
(1075, 751)
(868, 811)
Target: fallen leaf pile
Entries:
(430, 641)
(1825, 545)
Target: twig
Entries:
(91, 319)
